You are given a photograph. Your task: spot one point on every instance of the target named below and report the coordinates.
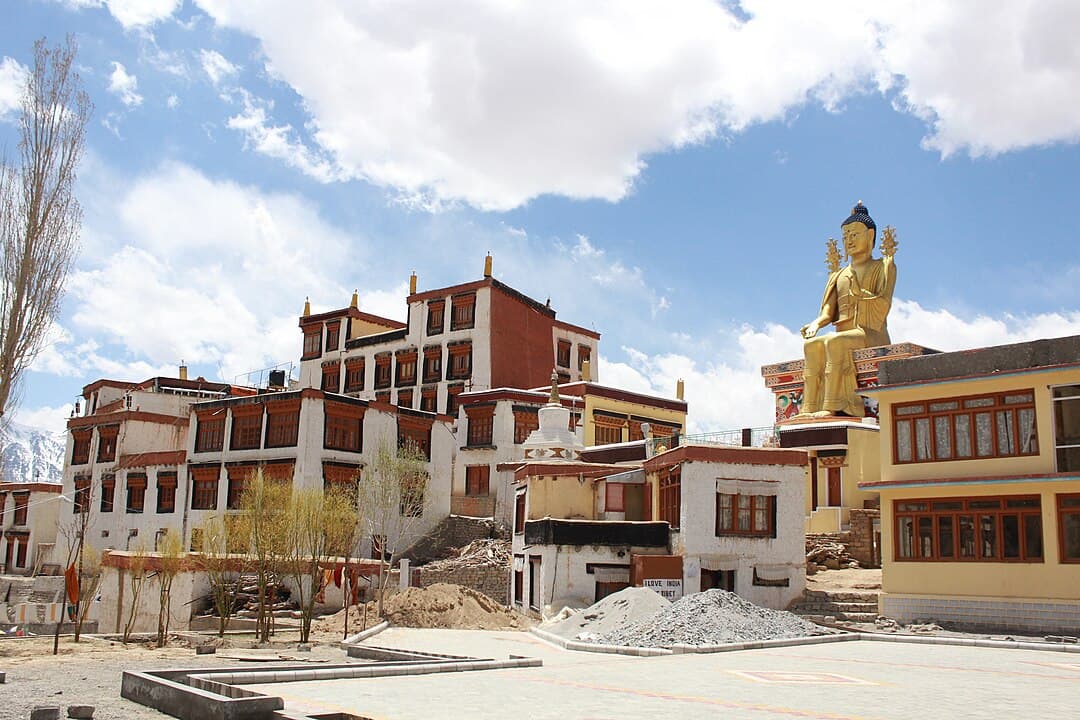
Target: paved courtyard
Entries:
(837, 681)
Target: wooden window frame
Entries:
(1068, 504)
(343, 428)
(210, 432)
(1061, 443)
(477, 480)
(519, 512)
(237, 478)
(384, 371)
(436, 317)
(584, 353)
(525, 422)
(135, 499)
(81, 499)
(80, 447)
(21, 508)
(405, 369)
(108, 494)
(463, 311)
(166, 492)
(432, 372)
(605, 428)
(415, 431)
(562, 353)
(614, 497)
(204, 488)
(247, 427)
(107, 439)
(333, 335)
(998, 406)
(312, 343)
(481, 426)
(452, 403)
(755, 502)
(21, 549)
(405, 398)
(340, 475)
(354, 375)
(669, 493)
(459, 362)
(282, 424)
(331, 378)
(920, 509)
(429, 400)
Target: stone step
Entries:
(834, 608)
(842, 595)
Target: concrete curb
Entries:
(764, 644)
(972, 642)
(364, 634)
(374, 670)
(563, 643)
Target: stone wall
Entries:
(861, 543)
(474, 506)
(453, 532)
(491, 580)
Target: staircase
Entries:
(850, 605)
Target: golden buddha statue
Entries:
(857, 301)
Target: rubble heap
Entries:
(478, 553)
(713, 617)
(825, 551)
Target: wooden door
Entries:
(834, 487)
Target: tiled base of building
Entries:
(988, 614)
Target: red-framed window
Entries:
(477, 480)
(432, 364)
(204, 488)
(965, 428)
(525, 422)
(519, 512)
(210, 433)
(743, 514)
(562, 353)
(23, 545)
(343, 428)
(670, 495)
(108, 492)
(136, 492)
(333, 334)
(635, 430)
(411, 498)
(21, 501)
(405, 398)
(340, 475)
(312, 343)
(331, 378)
(354, 375)
(383, 372)
(429, 400)
(460, 363)
(282, 423)
(452, 404)
(1065, 401)
(107, 435)
(82, 494)
(406, 368)
(415, 432)
(166, 492)
(481, 425)
(607, 430)
(435, 312)
(80, 448)
(246, 428)
(238, 478)
(463, 311)
(383, 396)
(1068, 507)
(969, 529)
(584, 355)
(614, 500)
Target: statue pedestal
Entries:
(785, 379)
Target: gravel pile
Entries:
(629, 606)
(713, 617)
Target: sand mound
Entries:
(629, 606)
(448, 606)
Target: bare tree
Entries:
(171, 558)
(138, 571)
(262, 525)
(40, 217)
(392, 493)
(218, 540)
(75, 533)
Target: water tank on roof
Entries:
(277, 379)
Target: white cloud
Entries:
(496, 103)
(124, 86)
(131, 13)
(727, 391)
(52, 420)
(172, 102)
(216, 66)
(12, 82)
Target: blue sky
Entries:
(665, 173)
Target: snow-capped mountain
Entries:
(30, 455)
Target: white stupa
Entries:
(553, 439)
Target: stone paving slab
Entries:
(840, 681)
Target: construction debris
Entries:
(478, 553)
(822, 551)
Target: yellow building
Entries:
(980, 487)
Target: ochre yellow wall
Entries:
(560, 497)
(1048, 579)
(361, 328)
(621, 407)
(1044, 462)
(863, 465)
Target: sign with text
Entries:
(665, 587)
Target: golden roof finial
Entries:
(355, 302)
(307, 306)
(554, 398)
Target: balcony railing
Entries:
(746, 437)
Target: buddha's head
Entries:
(859, 232)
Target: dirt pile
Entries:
(627, 607)
(713, 617)
(448, 606)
